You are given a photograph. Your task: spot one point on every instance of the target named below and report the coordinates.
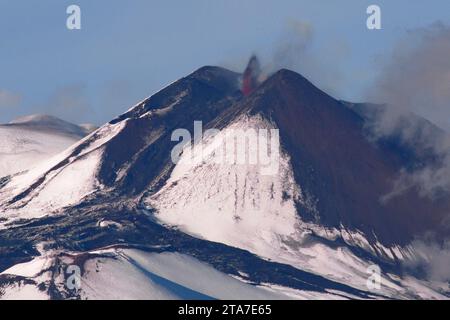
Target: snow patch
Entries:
(23, 149)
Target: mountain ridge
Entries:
(46, 122)
(104, 190)
(313, 127)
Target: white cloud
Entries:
(416, 80)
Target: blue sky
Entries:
(127, 50)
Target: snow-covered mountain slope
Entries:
(231, 203)
(63, 180)
(118, 273)
(27, 141)
(132, 151)
(238, 205)
(49, 123)
(313, 225)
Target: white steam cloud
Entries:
(416, 80)
(432, 258)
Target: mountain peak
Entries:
(46, 122)
(36, 119)
(286, 91)
(217, 77)
(285, 78)
(122, 182)
(283, 72)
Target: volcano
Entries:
(115, 202)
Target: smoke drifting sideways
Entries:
(415, 80)
(299, 48)
(294, 49)
(431, 259)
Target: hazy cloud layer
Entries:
(69, 103)
(416, 79)
(9, 99)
